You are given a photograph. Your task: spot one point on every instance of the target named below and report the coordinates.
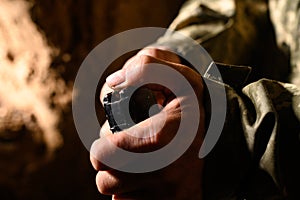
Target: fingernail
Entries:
(115, 79)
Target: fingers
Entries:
(161, 53)
(133, 70)
(116, 182)
(105, 90)
(149, 135)
(156, 131)
(152, 133)
(105, 130)
(112, 182)
(144, 67)
(147, 68)
(181, 179)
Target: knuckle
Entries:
(95, 162)
(96, 156)
(150, 51)
(146, 59)
(106, 184)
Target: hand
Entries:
(182, 178)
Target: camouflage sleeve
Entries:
(272, 133)
(285, 16)
(257, 155)
(199, 19)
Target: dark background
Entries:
(74, 28)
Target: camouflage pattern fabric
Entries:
(257, 155)
(285, 15)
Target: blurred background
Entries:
(43, 43)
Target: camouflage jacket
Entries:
(257, 155)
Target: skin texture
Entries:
(182, 178)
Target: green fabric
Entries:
(285, 15)
(258, 153)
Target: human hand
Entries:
(182, 178)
